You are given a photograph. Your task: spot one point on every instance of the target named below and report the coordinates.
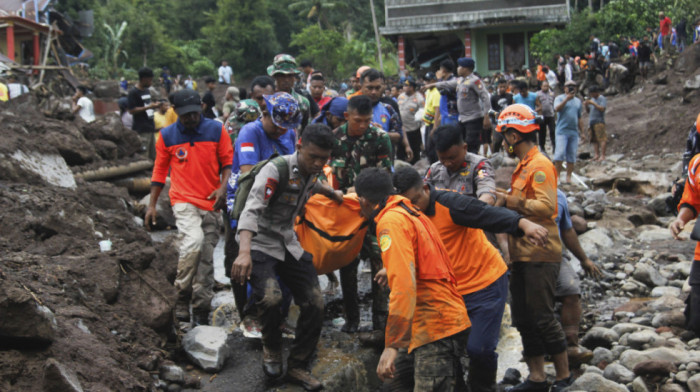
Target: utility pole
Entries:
(376, 36)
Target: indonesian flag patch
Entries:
(247, 147)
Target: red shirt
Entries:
(195, 160)
(324, 100)
(665, 26)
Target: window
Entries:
(493, 43)
(514, 45)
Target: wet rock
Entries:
(23, 322)
(637, 340)
(594, 241)
(673, 318)
(575, 209)
(172, 373)
(594, 211)
(693, 367)
(666, 302)
(602, 355)
(106, 149)
(58, 377)
(658, 204)
(206, 347)
(659, 234)
(599, 337)
(165, 217)
(174, 388)
(692, 83)
(52, 168)
(649, 275)
(630, 358)
(594, 369)
(643, 217)
(75, 150)
(654, 367)
(682, 376)
(671, 388)
(663, 291)
(595, 382)
(694, 383)
(618, 373)
(638, 385)
(579, 224)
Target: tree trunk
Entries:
(602, 3)
(590, 5)
(575, 5)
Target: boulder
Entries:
(600, 337)
(75, 150)
(649, 275)
(671, 318)
(658, 204)
(659, 234)
(172, 373)
(106, 149)
(165, 217)
(671, 387)
(666, 302)
(630, 358)
(23, 322)
(596, 383)
(638, 339)
(594, 241)
(682, 376)
(655, 367)
(669, 291)
(638, 385)
(692, 83)
(642, 216)
(618, 373)
(602, 356)
(694, 383)
(57, 377)
(206, 347)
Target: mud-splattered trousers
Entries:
(199, 232)
(301, 278)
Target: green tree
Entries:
(241, 32)
(315, 9)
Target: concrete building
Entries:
(496, 33)
(22, 29)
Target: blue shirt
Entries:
(596, 116)
(563, 219)
(252, 146)
(529, 100)
(448, 111)
(567, 118)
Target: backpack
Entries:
(246, 180)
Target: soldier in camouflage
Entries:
(359, 145)
(284, 71)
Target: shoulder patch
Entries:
(385, 241)
(482, 173)
(270, 188)
(539, 177)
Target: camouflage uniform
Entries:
(287, 64)
(350, 155)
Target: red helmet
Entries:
(519, 117)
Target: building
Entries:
(21, 29)
(496, 33)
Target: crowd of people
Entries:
(265, 157)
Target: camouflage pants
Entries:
(434, 367)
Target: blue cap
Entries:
(283, 109)
(466, 62)
(337, 106)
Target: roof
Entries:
(416, 16)
(27, 23)
(10, 7)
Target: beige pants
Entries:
(199, 233)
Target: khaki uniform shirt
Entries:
(272, 225)
(475, 178)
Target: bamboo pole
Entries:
(106, 173)
(376, 36)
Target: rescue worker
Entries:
(197, 153)
(426, 314)
(687, 211)
(534, 269)
(473, 102)
(482, 275)
(284, 71)
(358, 145)
(269, 248)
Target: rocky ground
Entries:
(86, 293)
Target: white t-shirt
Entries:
(87, 111)
(17, 89)
(552, 78)
(225, 74)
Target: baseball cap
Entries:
(187, 101)
(466, 62)
(570, 83)
(283, 64)
(430, 76)
(409, 81)
(235, 93)
(283, 109)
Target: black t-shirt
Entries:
(208, 99)
(614, 50)
(644, 53)
(143, 121)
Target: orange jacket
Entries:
(460, 221)
(533, 194)
(691, 193)
(424, 305)
(541, 76)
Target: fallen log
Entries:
(106, 173)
